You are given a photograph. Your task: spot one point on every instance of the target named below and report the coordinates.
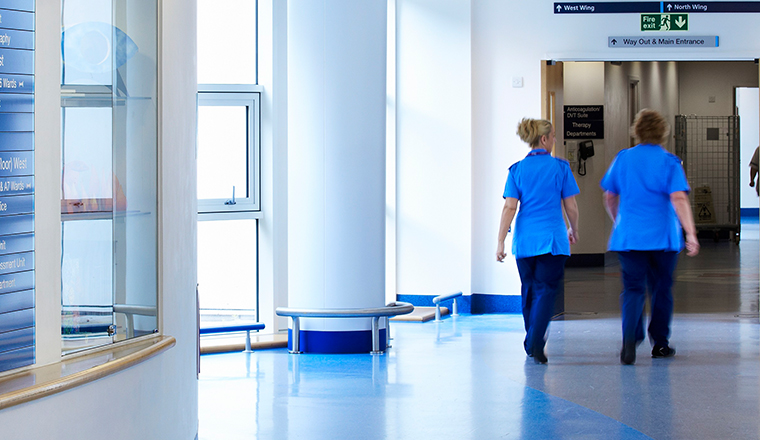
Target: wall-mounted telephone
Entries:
(585, 150)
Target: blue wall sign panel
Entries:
(16, 339)
(14, 186)
(15, 320)
(23, 21)
(16, 39)
(654, 7)
(13, 283)
(16, 84)
(11, 244)
(14, 205)
(11, 302)
(21, 5)
(17, 358)
(16, 163)
(16, 262)
(16, 141)
(606, 7)
(16, 121)
(16, 224)
(16, 61)
(16, 103)
(17, 294)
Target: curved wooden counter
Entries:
(76, 370)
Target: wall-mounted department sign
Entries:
(664, 22)
(17, 289)
(663, 41)
(584, 122)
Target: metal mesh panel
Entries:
(709, 149)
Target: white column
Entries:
(336, 165)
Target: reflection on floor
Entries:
(468, 378)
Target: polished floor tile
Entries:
(468, 378)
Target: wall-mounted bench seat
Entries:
(234, 326)
(392, 309)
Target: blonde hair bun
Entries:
(531, 130)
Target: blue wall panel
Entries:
(16, 339)
(16, 141)
(14, 186)
(16, 121)
(16, 61)
(16, 358)
(16, 83)
(16, 262)
(16, 103)
(11, 302)
(14, 282)
(11, 244)
(21, 19)
(16, 39)
(16, 320)
(14, 205)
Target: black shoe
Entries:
(628, 353)
(663, 351)
(539, 357)
(527, 350)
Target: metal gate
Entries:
(709, 149)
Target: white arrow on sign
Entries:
(680, 22)
(559, 8)
(670, 7)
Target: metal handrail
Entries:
(392, 309)
(437, 301)
(130, 311)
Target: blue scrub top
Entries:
(540, 182)
(644, 177)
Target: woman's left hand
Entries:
(572, 236)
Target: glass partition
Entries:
(108, 171)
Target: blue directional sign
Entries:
(17, 39)
(16, 262)
(21, 5)
(653, 7)
(15, 186)
(16, 61)
(16, 163)
(17, 274)
(16, 224)
(16, 205)
(16, 103)
(16, 141)
(11, 244)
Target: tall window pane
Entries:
(227, 42)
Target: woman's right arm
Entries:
(507, 214)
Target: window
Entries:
(229, 166)
(228, 152)
(109, 221)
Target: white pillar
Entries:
(336, 166)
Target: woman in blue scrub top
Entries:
(646, 195)
(543, 185)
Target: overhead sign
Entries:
(662, 41)
(584, 122)
(654, 7)
(664, 22)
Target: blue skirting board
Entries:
(477, 303)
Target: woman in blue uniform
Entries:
(646, 195)
(541, 243)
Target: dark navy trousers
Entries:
(540, 277)
(639, 270)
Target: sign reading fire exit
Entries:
(664, 22)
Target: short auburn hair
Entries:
(650, 127)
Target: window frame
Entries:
(231, 95)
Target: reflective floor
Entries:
(468, 377)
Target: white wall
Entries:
(749, 106)
(701, 81)
(158, 398)
(433, 147)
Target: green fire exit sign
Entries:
(664, 22)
